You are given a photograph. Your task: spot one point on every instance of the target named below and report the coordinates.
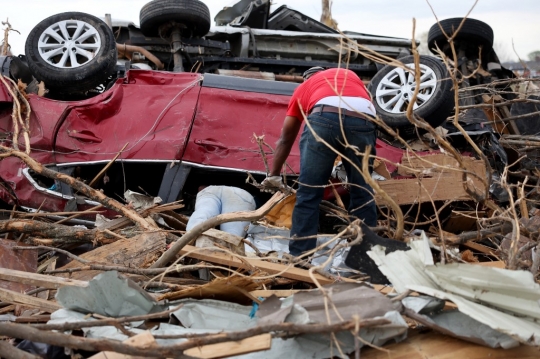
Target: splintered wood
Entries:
(135, 252)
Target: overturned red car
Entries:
(173, 129)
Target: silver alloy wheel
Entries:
(396, 89)
(69, 44)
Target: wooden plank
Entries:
(249, 263)
(39, 280)
(284, 293)
(436, 183)
(43, 266)
(142, 340)
(45, 294)
(34, 319)
(9, 308)
(224, 350)
(438, 346)
(432, 164)
(9, 296)
(480, 248)
(504, 112)
(494, 116)
(494, 264)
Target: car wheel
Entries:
(392, 89)
(473, 34)
(71, 52)
(193, 14)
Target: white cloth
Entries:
(357, 104)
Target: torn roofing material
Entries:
(507, 301)
(428, 311)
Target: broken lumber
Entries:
(438, 346)
(287, 271)
(143, 340)
(9, 296)
(39, 280)
(281, 293)
(227, 349)
(438, 182)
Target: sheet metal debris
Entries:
(108, 294)
(452, 267)
(506, 301)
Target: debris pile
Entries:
(137, 287)
(453, 263)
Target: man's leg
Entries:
(316, 162)
(360, 133)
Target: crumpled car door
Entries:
(229, 113)
(150, 111)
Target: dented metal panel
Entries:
(151, 111)
(224, 126)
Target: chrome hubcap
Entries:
(396, 89)
(69, 44)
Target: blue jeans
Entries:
(316, 164)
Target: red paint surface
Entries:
(160, 116)
(225, 124)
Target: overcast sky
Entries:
(512, 21)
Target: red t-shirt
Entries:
(331, 82)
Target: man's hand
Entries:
(272, 184)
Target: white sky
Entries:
(512, 21)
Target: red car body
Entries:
(198, 121)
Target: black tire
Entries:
(71, 77)
(435, 101)
(474, 33)
(193, 14)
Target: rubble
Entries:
(453, 262)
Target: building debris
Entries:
(97, 259)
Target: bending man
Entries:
(336, 101)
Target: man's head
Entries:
(311, 71)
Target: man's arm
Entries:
(290, 129)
